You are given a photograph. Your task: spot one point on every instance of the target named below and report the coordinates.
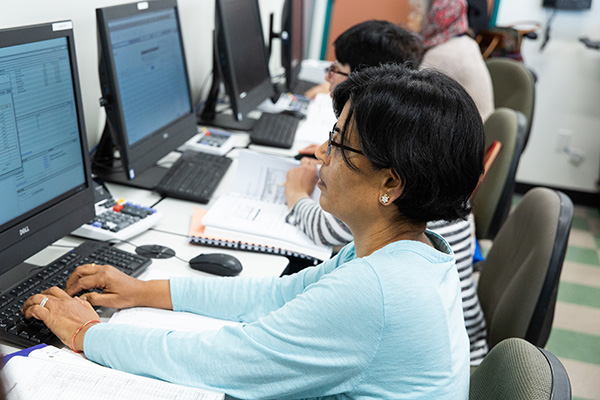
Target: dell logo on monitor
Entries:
(165, 135)
(24, 231)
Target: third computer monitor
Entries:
(292, 41)
(240, 60)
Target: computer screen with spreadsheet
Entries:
(45, 182)
(146, 91)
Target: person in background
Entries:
(369, 44)
(324, 228)
(449, 49)
(382, 319)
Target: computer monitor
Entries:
(292, 41)
(240, 62)
(44, 165)
(145, 88)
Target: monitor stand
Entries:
(103, 165)
(148, 180)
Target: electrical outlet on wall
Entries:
(563, 145)
(576, 156)
(563, 140)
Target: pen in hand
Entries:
(300, 156)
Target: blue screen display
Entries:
(40, 146)
(150, 71)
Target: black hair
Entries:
(424, 125)
(373, 42)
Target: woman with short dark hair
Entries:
(378, 42)
(410, 132)
(382, 319)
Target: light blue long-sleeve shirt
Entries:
(388, 325)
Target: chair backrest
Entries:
(514, 88)
(516, 369)
(519, 278)
(492, 201)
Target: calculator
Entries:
(210, 140)
(116, 219)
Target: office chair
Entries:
(518, 282)
(492, 201)
(516, 369)
(514, 88)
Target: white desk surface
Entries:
(172, 231)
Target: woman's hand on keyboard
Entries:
(64, 315)
(119, 290)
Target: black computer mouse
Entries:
(217, 264)
(294, 113)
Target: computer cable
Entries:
(547, 30)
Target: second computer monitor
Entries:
(145, 88)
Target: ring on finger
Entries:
(43, 302)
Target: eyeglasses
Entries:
(333, 69)
(331, 143)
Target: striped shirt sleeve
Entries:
(319, 225)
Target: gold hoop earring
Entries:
(384, 199)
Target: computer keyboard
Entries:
(194, 177)
(276, 130)
(118, 220)
(14, 328)
(303, 86)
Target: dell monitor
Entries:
(45, 176)
(240, 63)
(145, 91)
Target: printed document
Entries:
(52, 374)
(256, 211)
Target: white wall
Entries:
(568, 96)
(197, 20)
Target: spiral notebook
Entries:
(238, 241)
